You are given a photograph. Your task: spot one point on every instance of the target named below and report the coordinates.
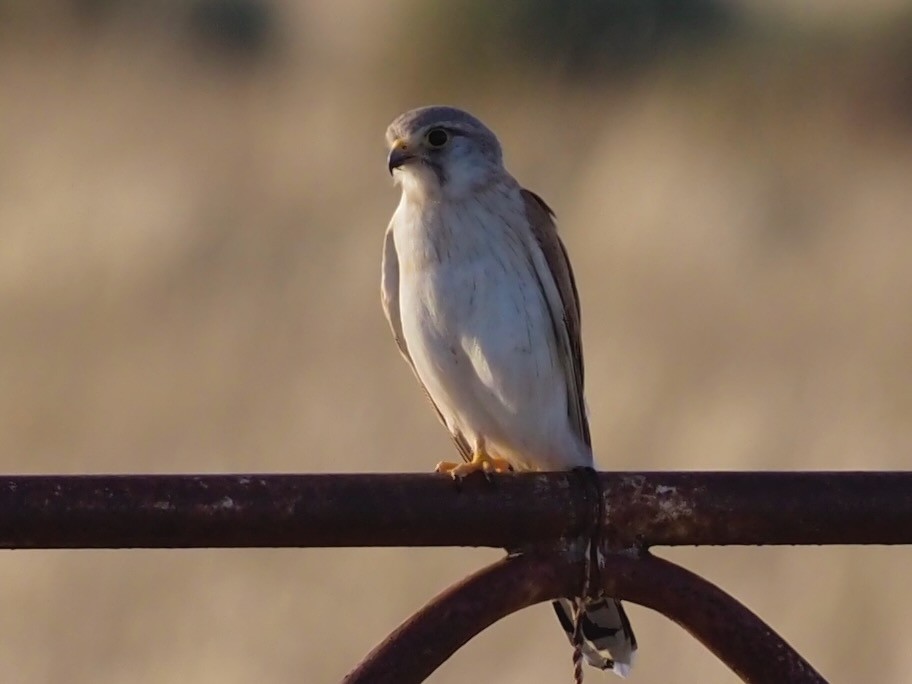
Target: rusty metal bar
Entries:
(177, 511)
(427, 639)
(641, 510)
(757, 508)
(738, 637)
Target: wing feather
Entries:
(565, 313)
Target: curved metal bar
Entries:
(427, 639)
(738, 637)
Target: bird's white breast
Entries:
(478, 327)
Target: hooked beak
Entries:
(398, 156)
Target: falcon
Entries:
(481, 300)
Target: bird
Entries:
(481, 300)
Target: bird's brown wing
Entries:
(389, 297)
(565, 310)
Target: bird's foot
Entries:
(480, 461)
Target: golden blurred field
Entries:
(189, 267)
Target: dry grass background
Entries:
(189, 255)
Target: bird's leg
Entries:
(481, 460)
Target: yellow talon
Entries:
(480, 461)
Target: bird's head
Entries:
(442, 152)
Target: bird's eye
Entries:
(437, 137)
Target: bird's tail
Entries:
(607, 640)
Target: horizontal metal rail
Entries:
(640, 510)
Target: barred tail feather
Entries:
(607, 642)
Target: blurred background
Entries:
(192, 201)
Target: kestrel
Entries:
(480, 297)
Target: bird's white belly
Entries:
(481, 339)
